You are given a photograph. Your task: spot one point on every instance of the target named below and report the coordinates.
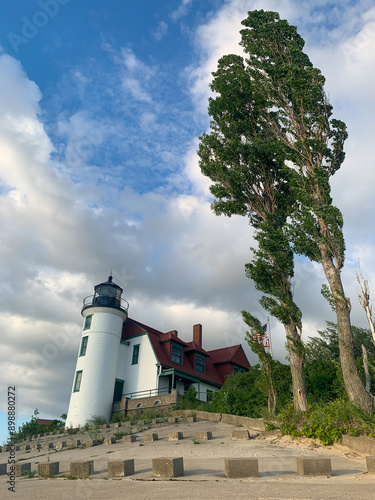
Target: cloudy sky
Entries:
(102, 104)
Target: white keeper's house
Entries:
(124, 363)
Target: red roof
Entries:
(44, 421)
(234, 354)
(161, 344)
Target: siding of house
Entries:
(141, 376)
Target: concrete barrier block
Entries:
(150, 437)
(46, 469)
(25, 447)
(91, 442)
(175, 436)
(370, 462)
(363, 445)
(109, 440)
(240, 434)
(3, 469)
(76, 442)
(21, 468)
(61, 444)
(190, 419)
(241, 467)
(172, 420)
(129, 439)
(167, 467)
(314, 466)
(118, 424)
(203, 436)
(156, 420)
(36, 446)
(104, 426)
(48, 446)
(82, 469)
(117, 468)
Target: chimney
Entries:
(174, 332)
(197, 334)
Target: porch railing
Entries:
(148, 393)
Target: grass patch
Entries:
(328, 422)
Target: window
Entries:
(77, 383)
(135, 354)
(82, 352)
(176, 354)
(209, 395)
(199, 363)
(87, 324)
(237, 369)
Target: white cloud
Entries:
(161, 30)
(181, 11)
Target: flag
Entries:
(259, 336)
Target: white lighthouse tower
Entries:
(104, 314)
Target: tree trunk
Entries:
(365, 367)
(353, 385)
(370, 322)
(297, 368)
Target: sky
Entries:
(102, 105)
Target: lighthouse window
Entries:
(87, 324)
(77, 383)
(82, 352)
(135, 354)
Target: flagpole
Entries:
(269, 334)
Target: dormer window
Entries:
(176, 354)
(200, 363)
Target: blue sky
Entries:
(102, 104)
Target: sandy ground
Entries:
(204, 468)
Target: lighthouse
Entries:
(104, 314)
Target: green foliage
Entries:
(326, 292)
(188, 401)
(240, 395)
(324, 380)
(33, 427)
(96, 420)
(117, 417)
(326, 346)
(246, 394)
(328, 422)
